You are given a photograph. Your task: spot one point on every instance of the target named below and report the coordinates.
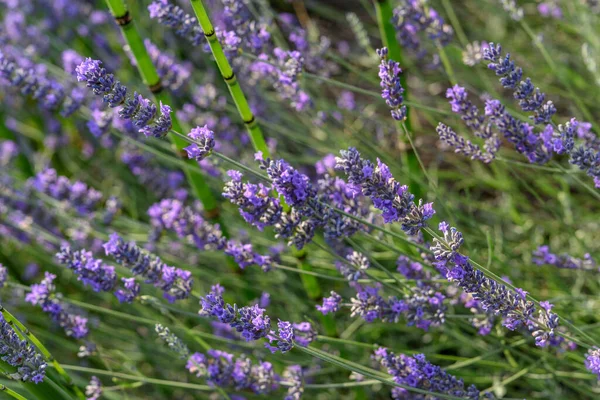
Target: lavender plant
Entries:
(241, 258)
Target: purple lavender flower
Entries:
(588, 160)
(90, 271)
(419, 29)
(3, 275)
(93, 390)
(284, 340)
(419, 373)
(174, 282)
(464, 146)
(295, 375)
(391, 87)
(173, 74)
(204, 143)
(304, 333)
(521, 134)
(531, 99)
(543, 256)
(43, 295)
(220, 369)
(141, 111)
(18, 353)
(393, 199)
(331, 304)
(83, 199)
(493, 297)
(250, 321)
(592, 361)
(187, 223)
(48, 93)
(244, 256)
(174, 17)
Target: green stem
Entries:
(151, 78)
(26, 333)
(11, 393)
(139, 378)
(258, 141)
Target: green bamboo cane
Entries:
(11, 393)
(25, 333)
(151, 78)
(258, 141)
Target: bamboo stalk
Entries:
(258, 140)
(151, 78)
(309, 282)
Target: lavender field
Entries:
(299, 199)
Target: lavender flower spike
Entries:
(204, 143)
(140, 110)
(419, 373)
(174, 282)
(530, 98)
(391, 88)
(592, 362)
(20, 354)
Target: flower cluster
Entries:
(420, 27)
(204, 143)
(3, 275)
(43, 294)
(174, 17)
(187, 223)
(419, 373)
(535, 147)
(531, 99)
(592, 361)
(310, 204)
(354, 267)
(423, 307)
(89, 270)
(173, 74)
(174, 343)
(331, 304)
(543, 256)
(393, 199)
(174, 282)
(93, 390)
(283, 71)
(222, 370)
(141, 111)
(255, 204)
(391, 87)
(475, 121)
(78, 195)
(18, 353)
(48, 93)
(492, 296)
(254, 324)
(250, 321)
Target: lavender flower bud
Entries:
(174, 343)
(93, 390)
(204, 140)
(391, 88)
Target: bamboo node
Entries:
(124, 19)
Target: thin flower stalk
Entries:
(150, 76)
